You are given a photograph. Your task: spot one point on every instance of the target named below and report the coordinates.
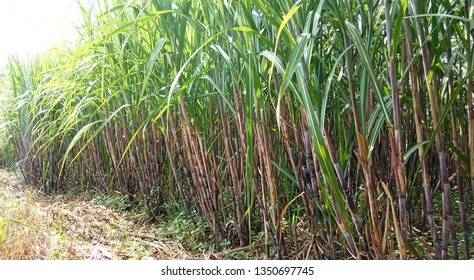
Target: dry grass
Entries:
(55, 228)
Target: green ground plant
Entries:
(7, 150)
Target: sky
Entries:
(33, 26)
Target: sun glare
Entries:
(32, 26)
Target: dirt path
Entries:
(33, 227)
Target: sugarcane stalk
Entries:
(469, 92)
(395, 133)
(419, 119)
(454, 132)
(447, 225)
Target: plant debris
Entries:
(53, 227)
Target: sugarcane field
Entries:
(238, 130)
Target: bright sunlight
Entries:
(32, 26)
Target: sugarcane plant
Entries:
(323, 129)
